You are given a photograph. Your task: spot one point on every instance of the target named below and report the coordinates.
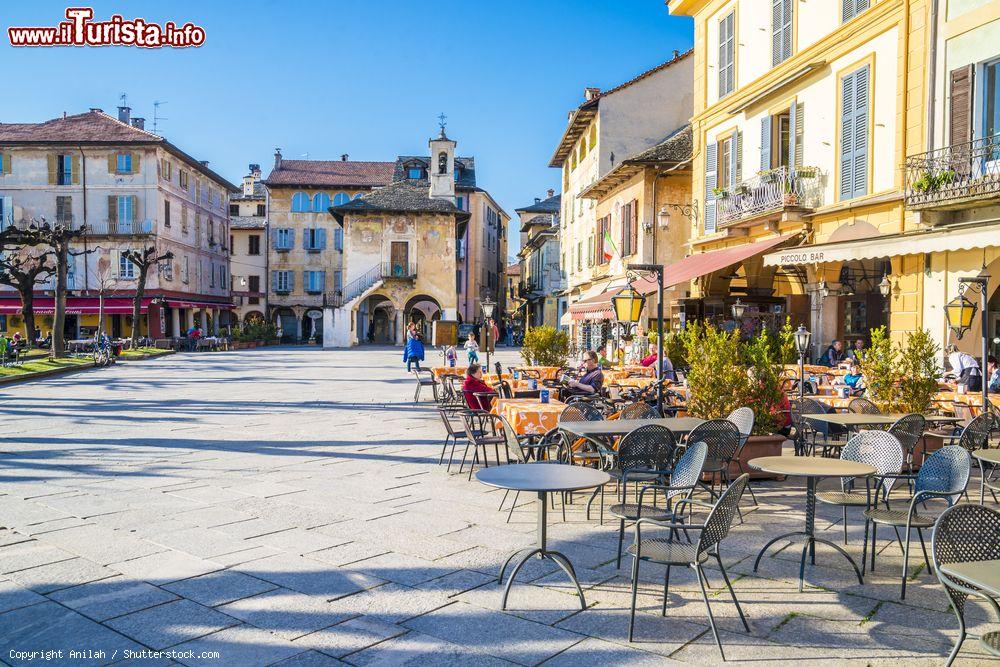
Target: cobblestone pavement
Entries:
(286, 506)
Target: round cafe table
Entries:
(986, 457)
(541, 478)
(813, 469)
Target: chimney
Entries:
(552, 193)
(204, 163)
(591, 93)
(124, 113)
(538, 200)
(677, 54)
(255, 172)
(95, 109)
(277, 158)
(343, 158)
(139, 123)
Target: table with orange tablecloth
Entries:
(546, 372)
(648, 371)
(973, 400)
(529, 416)
(637, 383)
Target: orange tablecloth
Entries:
(441, 371)
(547, 372)
(638, 383)
(974, 400)
(649, 371)
(833, 401)
(528, 416)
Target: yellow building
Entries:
(541, 280)
(248, 248)
(803, 116)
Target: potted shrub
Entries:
(724, 374)
(545, 346)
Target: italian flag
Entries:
(608, 246)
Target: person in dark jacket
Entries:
(834, 354)
(413, 353)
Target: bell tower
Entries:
(441, 170)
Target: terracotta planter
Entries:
(757, 446)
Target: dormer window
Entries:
(414, 173)
(458, 174)
(416, 170)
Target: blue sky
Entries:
(367, 78)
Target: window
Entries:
(64, 169)
(211, 275)
(338, 239)
(126, 209)
(185, 272)
(230, 242)
(282, 282)
(123, 163)
(726, 162)
(166, 213)
(64, 210)
(234, 209)
(284, 239)
(991, 99)
(727, 54)
(126, 269)
(314, 239)
(253, 244)
(854, 134)
(314, 282)
(253, 286)
(182, 178)
(458, 280)
(781, 31)
(590, 250)
(630, 228)
(261, 210)
(166, 169)
(321, 202)
(222, 277)
(593, 136)
(300, 203)
(341, 198)
(460, 203)
(168, 271)
(414, 173)
(851, 8)
(338, 281)
(357, 196)
(579, 256)
(602, 248)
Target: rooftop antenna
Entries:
(305, 155)
(156, 114)
(124, 98)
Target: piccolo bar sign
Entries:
(801, 257)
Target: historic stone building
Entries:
(306, 246)
(131, 189)
(248, 244)
(400, 258)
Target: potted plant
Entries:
(768, 176)
(724, 374)
(721, 193)
(545, 346)
(806, 172)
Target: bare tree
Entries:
(22, 268)
(143, 259)
(105, 282)
(58, 239)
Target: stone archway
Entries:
(377, 321)
(422, 310)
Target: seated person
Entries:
(833, 355)
(648, 360)
(591, 382)
(473, 385)
(855, 380)
(994, 374)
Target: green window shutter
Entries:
(75, 162)
(711, 181)
(52, 168)
(113, 209)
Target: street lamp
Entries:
(885, 287)
(802, 338)
(961, 312)
(488, 305)
(628, 305)
(656, 269)
(739, 310)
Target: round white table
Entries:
(813, 469)
(986, 457)
(541, 478)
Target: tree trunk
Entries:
(58, 347)
(140, 290)
(28, 312)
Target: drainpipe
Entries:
(932, 76)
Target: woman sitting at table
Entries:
(474, 385)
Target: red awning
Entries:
(695, 266)
(198, 305)
(89, 305)
(597, 307)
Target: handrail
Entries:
(399, 270)
(355, 288)
(769, 191)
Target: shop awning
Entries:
(893, 245)
(198, 305)
(75, 306)
(597, 305)
(702, 264)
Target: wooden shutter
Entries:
(75, 166)
(960, 122)
(711, 181)
(5, 159)
(796, 118)
(112, 209)
(52, 168)
(136, 162)
(274, 281)
(781, 31)
(112, 163)
(322, 238)
(765, 143)
(634, 228)
(737, 161)
(136, 218)
(854, 134)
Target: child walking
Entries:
(472, 348)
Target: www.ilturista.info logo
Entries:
(81, 30)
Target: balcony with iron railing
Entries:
(955, 177)
(355, 288)
(399, 271)
(769, 193)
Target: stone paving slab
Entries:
(294, 505)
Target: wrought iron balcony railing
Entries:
(770, 192)
(956, 176)
(399, 270)
(120, 227)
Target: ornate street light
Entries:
(488, 305)
(663, 218)
(739, 310)
(802, 338)
(960, 311)
(628, 305)
(885, 287)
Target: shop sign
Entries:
(801, 257)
